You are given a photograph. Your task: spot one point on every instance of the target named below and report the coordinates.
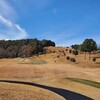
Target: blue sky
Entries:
(65, 22)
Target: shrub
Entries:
(70, 51)
(94, 59)
(64, 53)
(98, 51)
(72, 59)
(40, 53)
(66, 49)
(54, 51)
(58, 56)
(67, 57)
(59, 51)
(75, 52)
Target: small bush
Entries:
(98, 51)
(94, 59)
(75, 52)
(58, 56)
(58, 50)
(72, 59)
(70, 51)
(50, 51)
(53, 51)
(66, 49)
(40, 53)
(68, 58)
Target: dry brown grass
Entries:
(23, 92)
(53, 73)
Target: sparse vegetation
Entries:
(67, 57)
(75, 52)
(70, 51)
(58, 56)
(54, 51)
(94, 59)
(76, 47)
(66, 49)
(72, 59)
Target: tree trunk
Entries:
(85, 55)
(89, 55)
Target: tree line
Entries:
(88, 46)
(23, 47)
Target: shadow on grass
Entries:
(68, 95)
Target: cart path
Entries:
(67, 94)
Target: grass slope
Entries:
(38, 62)
(87, 82)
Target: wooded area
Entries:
(23, 48)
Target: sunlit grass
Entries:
(38, 62)
(87, 82)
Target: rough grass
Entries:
(38, 62)
(87, 82)
(24, 92)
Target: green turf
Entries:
(38, 62)
(87, 82)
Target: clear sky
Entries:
(65, 22)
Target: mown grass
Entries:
(38, 62)
(87, 82)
